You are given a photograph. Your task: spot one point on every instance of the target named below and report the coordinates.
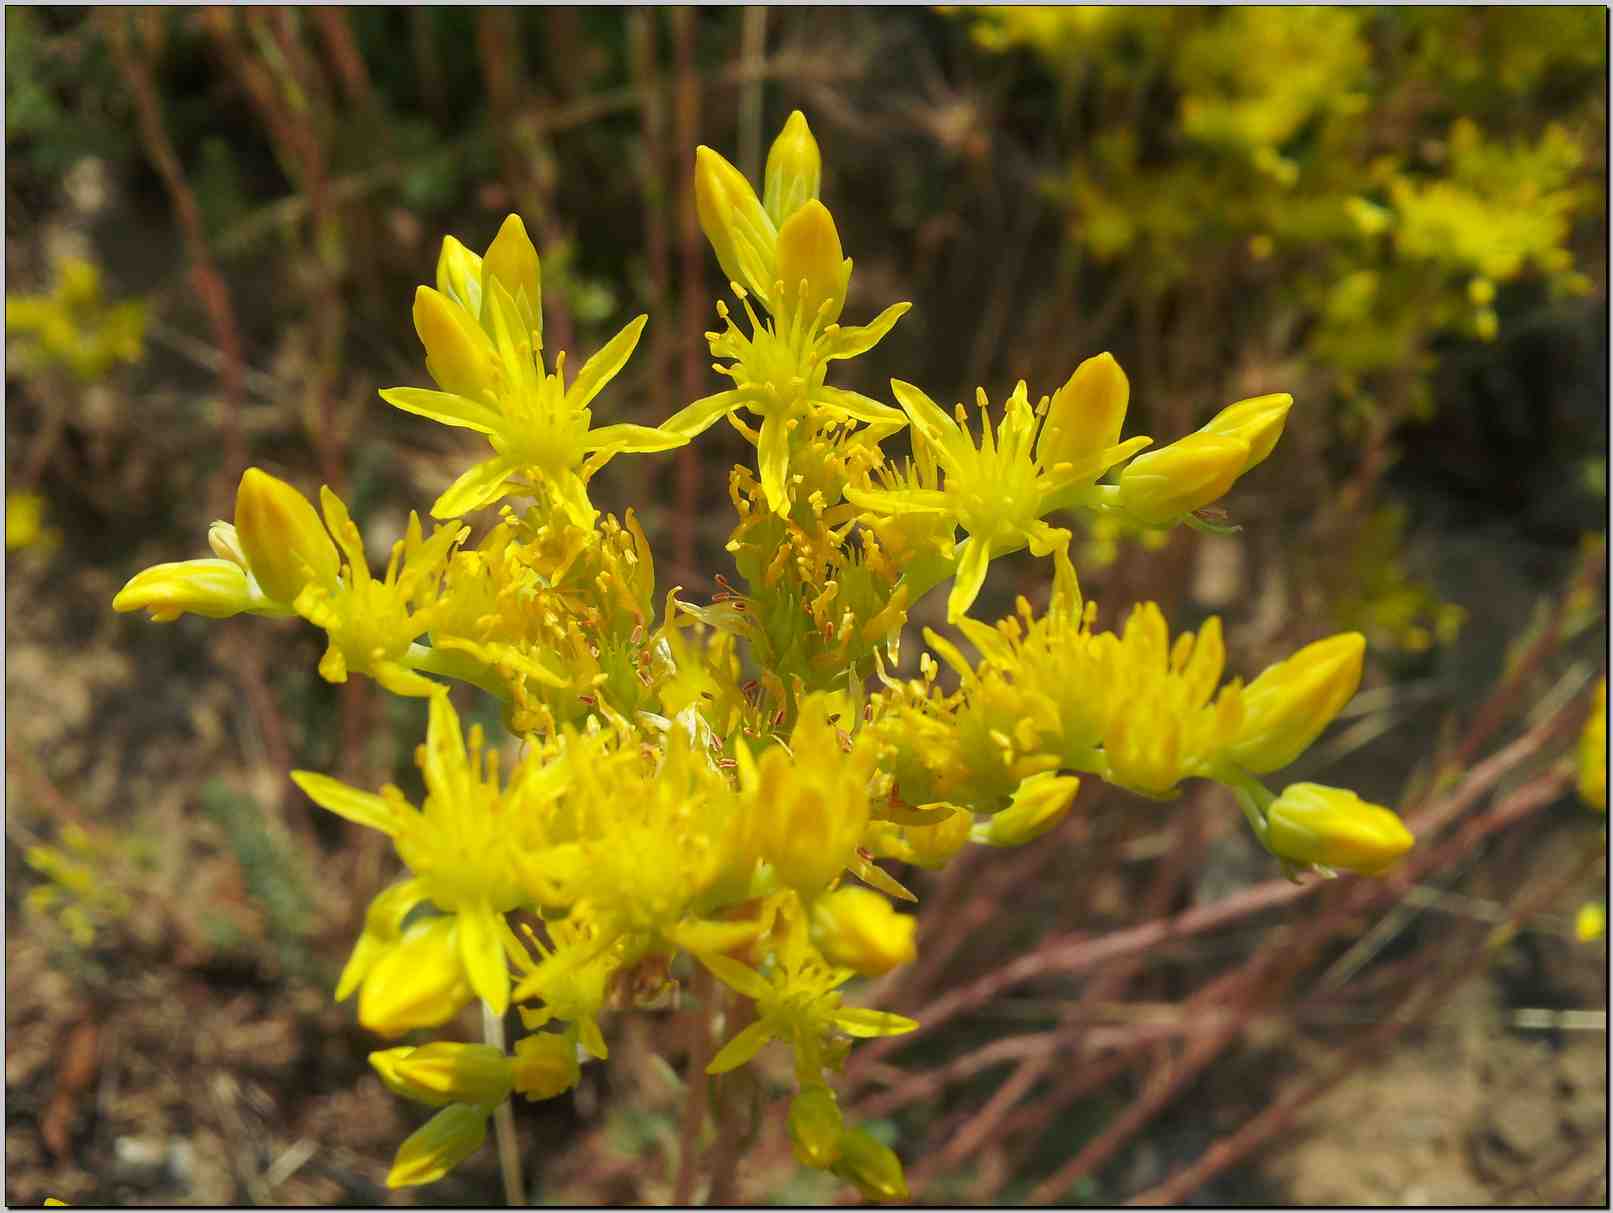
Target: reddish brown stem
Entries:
(692, 262)
(205, 277)
(1237, 1146)
(697, 1081)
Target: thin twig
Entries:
(208, 283)
(1237, 1146)
(691, 264)
(697, 1021)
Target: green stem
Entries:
(509, 1154)
(428, 659)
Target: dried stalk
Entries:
(691, 264)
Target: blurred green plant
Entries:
(74, 326)
(76, 894)
(1361, 207)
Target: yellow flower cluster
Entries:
(713, 785)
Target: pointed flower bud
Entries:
(1084, 416)
(794, 169)
(459, 275)
(439, 1145)
(1313, 823)
(1039, 804)
(859, 929)
(224, 541)
(742, 235)
(1288, 706)
(816, 1126)
(545, 1065)
(285, 544)
(513, 261)
(214, 588)
(871, 1166)
(446, 1072)
(1159, 487)
(419, 982)
(810, 263)
(1258, 421)
(459, 355)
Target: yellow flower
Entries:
(483, 335)
(459, 843)
(797, 1001)
(373, 625)
(810, 800)
(1312, 823)
(275, 548)
(1288, 706)
(1000, 488)
(859, 929)
(787, 255)
(446, 1072)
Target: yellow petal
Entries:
(280, 534)
(438, 1146)
(794, 169)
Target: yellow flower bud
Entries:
(814, 824)
(445, 1072)
(1084, 416)
(285, 544)
(1313, 823)
(214, 588)
(809, 253)
(459, 355)
(419, 982)
(742, 235)
(1039, 804)
(1592, 778)
(1160, 486)
(810, 800)
(225, 542)
(459, 275)
(934, 846)
(545, 1065)
(1258, 421)
(859, 929)
(794, 168)
(1288, 706)
(439, 1145)
(872, 1167)
(816, 1126)
(513, 260)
